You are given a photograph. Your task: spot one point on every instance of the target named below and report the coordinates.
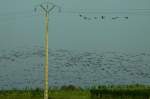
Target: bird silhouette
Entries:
(80, 15)
(114, 18)
(103, 17)
(85, 18)
(126, 17)
(96, 18)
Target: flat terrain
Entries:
(71, 92)
(52, 95)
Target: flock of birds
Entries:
(24, 68)
(102, 17)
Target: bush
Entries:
(69, 87)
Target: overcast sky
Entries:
(18, 27)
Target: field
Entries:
(71, 92)
(65, 93)
(121, 92)
(52, 95)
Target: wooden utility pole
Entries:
(46, 59)
(46, 8)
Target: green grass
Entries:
(72, 92)
(121, 92)
(53, 94)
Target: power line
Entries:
(5, 20)
(29, 13)
(14, 19)
(109, 9)
(136, 11)
(87, 11)
(14, 13)
(106, 12)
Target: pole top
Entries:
(46, 7)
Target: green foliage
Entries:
(73, 92)
(70, 87)
(121, 92)
(38, 94)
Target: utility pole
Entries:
(46, 7)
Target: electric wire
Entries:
(14, 15)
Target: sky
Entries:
(20, 26)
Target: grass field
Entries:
(121, 92)
(100, 92)
(61, 94)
